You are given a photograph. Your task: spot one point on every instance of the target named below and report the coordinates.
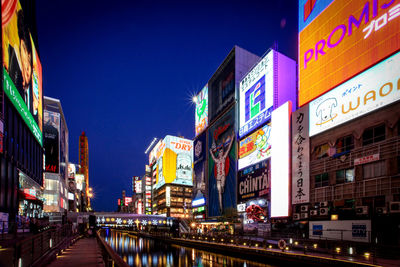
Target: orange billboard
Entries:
(346, 38)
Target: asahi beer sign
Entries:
(300, 157)
(254, 184)
(369, 91)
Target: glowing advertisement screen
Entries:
(52, 141)
(339, 39)
(156, 152)
(374, 88)
(222, 165)
(22, 70)
(256, 96)
(175, 164)
(255, 147)
(280, 161)
(255, 183)
(201, 116)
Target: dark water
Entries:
(137, 251)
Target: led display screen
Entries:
(71, 170)
(371, 90)
(339, 39)
(255, 147)
(222, 165)
(79, 179)
(51, 141)
(156, 152)
(254, 183)
(22, 70)
(280, 161)
(201, 116)
(256, 96)
(174, 166)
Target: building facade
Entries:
(84, 169)
(56, 186)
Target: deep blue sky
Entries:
(125, 71)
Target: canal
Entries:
(138, 251)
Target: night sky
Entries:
(126, 71)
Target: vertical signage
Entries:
(300, 157)
(201, 116)
(168, 196)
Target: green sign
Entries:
(13, 94)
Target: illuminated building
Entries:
(349, 120)
(56, 186)
(171, 161)
(21, 124)
(84, 166)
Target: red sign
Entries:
(366, 159)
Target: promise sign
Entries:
(345, 38)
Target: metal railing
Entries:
(31, 250)
(110, 257)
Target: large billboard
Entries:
(52, 141)
(370, 90)
(351, 230)
(280, 161)
(256, 95)
(254, 183)
(339, 39)
(22, 71)
(175, 165)
(201, 116)
(255, 147)
(222, 165)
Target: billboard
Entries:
(156, 152)
(254, 183)
(368, 91)
(52, 141)
(175, 165)
(222, 165)
(80, 180)
(201, 116)
(71, 170)
(280, 161)
(256, 95)
(351, 230)
(200, 155)
(22, 70)
(300, 157)
(137, 185)
(339, 39)
(255, 147)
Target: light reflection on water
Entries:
(137, 251)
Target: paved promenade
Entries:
(85, 252)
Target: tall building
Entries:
(56, 185)
(21, 113)
(171, 161)
(84, 164)
(346, 143)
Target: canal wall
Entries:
(259, 254)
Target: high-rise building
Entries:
(84, 163)
(56, 156)
(21, 112)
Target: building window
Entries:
(373, 135)
(322, 151)
(345, 144)
(321, 180)
(374, 169)
(345, 176)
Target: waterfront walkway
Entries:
(85, 252)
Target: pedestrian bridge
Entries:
(117, 219)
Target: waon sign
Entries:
(339, 39)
